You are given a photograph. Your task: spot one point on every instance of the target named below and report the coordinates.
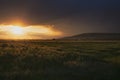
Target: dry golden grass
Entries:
(59, 60)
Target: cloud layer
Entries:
(29, 32)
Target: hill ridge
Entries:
(96, 36)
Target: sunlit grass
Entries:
(35, 60)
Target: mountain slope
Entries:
(96, 36)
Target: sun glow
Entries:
(28, 32)
(17, 30)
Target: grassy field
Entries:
(56, 60)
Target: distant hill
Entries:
(96, 36)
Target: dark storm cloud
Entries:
(77, 15)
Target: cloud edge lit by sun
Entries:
(28, 32)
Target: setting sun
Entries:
(17, 30)
(28, 32)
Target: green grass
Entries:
(59, 60)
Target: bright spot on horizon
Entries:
(17, 30)
(28, 32)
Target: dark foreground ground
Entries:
(53, 60)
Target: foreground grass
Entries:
(44, 60)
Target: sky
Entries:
(68, 16)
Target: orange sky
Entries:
(29, 32)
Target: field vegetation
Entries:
(59, 60)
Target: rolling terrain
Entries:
(96, 36)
